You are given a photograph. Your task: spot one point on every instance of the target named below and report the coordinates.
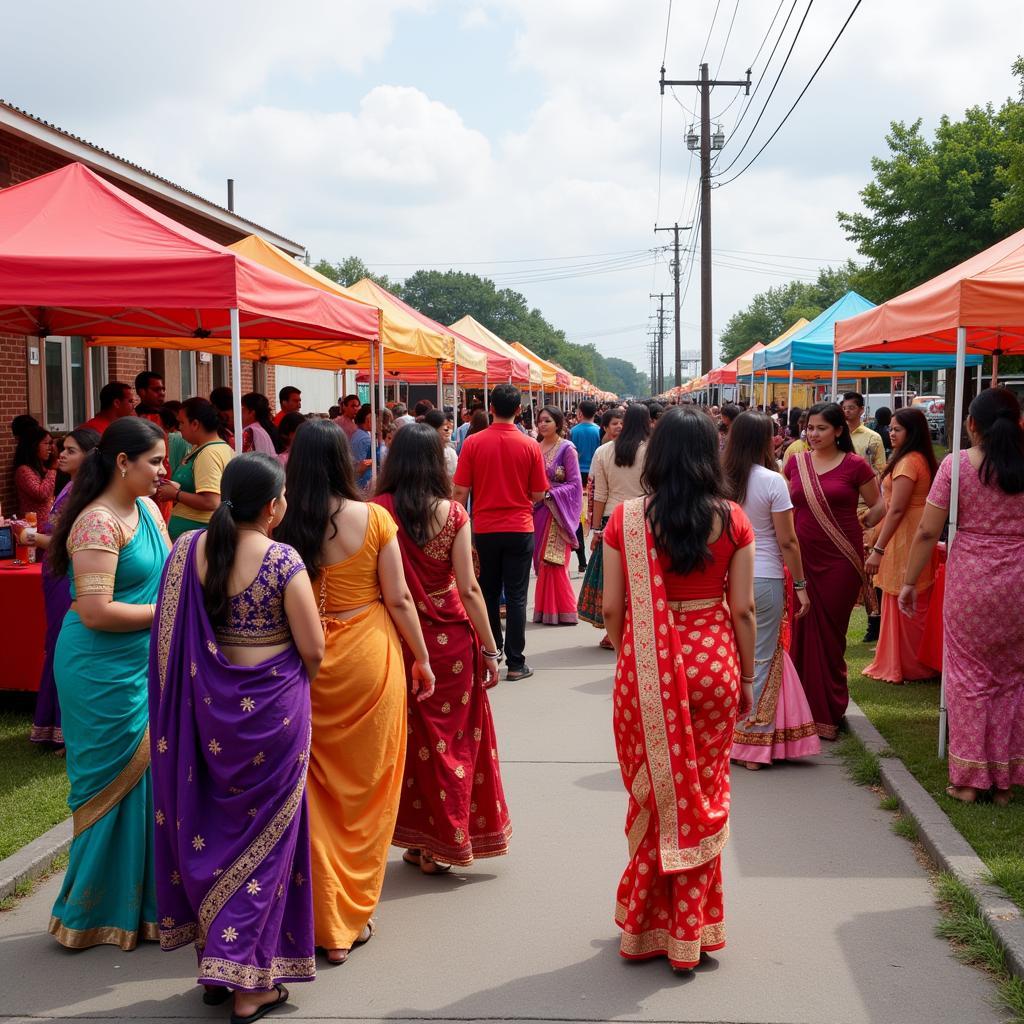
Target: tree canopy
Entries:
(448, 295)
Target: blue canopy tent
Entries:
(812, 348)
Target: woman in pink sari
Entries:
(685, 671)
(825, 484)
(554, 523)
(453, 807)
(984, 628)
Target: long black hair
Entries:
(683, 476)
(319, 469)
(751, 443)
(290, 422)
(919, 439)
(27, 452)
(996, 414)
(794, 422)
(250, 482)
(259, 406)
(636, 428)
(414, 472)
(833, 416)
(131, 435)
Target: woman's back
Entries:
(984, 509)
(349, 579)
(767, 493)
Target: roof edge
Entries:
(27, 126)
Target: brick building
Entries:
(47, 377)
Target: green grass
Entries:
(908, 718)
(861, 764)
(974, 943)
(905, 827)
(33, 782)
(889, 803)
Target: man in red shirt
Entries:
(290, 400)
(115, 401)
(504, 471)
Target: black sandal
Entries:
(214, 995)
(262, 1011)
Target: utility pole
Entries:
(705, 84)
(679, 320)
(661, 297)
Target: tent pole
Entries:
(87, 373)
(995, 369)
(789, 393)
(236, 376)
(380, 375)
(835, 374)
(455, 382)
(766, 388)
(440, 386)
(485, 395)
(979, 376)
(373, 412)
(954, 496)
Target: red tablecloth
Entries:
(24, 627)
(930, 649)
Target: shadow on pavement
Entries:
(604, 782)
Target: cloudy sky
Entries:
(522, 139)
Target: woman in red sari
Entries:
(453, 807)
(826, 484)
(685, 671)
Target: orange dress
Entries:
(359, 735)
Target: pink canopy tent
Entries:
(78, 256)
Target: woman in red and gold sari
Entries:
(685, 671)
(453, 807)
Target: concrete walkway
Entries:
(829, 916)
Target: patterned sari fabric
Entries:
(984, 631)
(591, 597)
(57, 601)
(676, 694)
(554, 527)
(453, 805)
(108, 894)
(229, 772)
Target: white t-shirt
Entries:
(767, 492)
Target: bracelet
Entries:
(881, 551)
(799, 584)
(746, 679)
(490, 654)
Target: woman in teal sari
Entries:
(112, 540)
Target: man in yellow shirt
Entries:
(867, 443)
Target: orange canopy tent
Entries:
(976, 307)
(516, 368)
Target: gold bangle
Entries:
(89, 583)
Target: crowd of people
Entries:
(268, 668)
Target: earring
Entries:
(124, 473)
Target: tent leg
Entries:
(789, 393)
(954, 496)
(835, 374)
(455, 384)
(485, 399)
(374, 366)
(995, 370)
(236, 376)
(380, 376)
(440, 386)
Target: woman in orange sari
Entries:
(685, 671)
(358, 698)
(453, 806)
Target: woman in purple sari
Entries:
(56, 592)
(555, 520)
(237, 640)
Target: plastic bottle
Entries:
(31, 523)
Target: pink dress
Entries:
(984, 631)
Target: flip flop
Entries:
(261, 1012)
(371, 928)
(413, 857)
(435, 867)
(606, 644)
(214, 995)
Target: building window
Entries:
(64, 378)
(188, 374)
(221, 372)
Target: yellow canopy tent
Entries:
(475, 331)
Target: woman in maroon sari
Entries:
(453, 807)
(685, 671)
(826, 484)
(237, 639)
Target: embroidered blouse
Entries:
(256, 616)
(99, 529)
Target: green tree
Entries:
(1009, 210)
(353, 269)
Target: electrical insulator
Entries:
(692, 138)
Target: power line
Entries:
(771, 25)
(525, 259)
(795, 102)
(714, 18)
(775, 85)
(668, 25)
(728, 36)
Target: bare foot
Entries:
(1001, 797)
(751, 766)
(339, 956)
(965, 794)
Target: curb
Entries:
(946, 846)
(28, 863)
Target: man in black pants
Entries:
(504, 470)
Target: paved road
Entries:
(829, 917)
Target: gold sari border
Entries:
(251, 857)
(75, 938)
(114, 792)
(696, 605)
(660, 941)
(217, 971)
(767, 739)
(169, 598)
